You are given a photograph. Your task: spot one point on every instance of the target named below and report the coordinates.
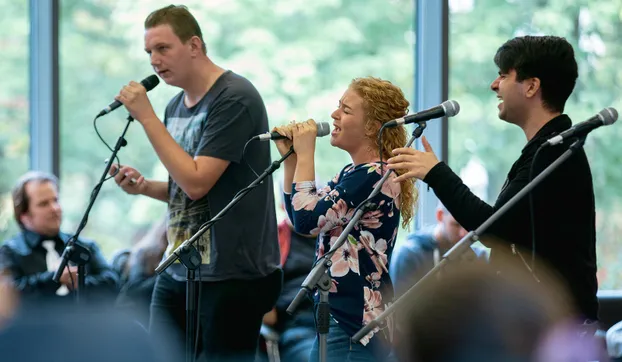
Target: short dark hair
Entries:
(179, 18)
(20, 197)
(548, 58)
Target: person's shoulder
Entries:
(415, 247)
(421, 241)
(234, 79)
(371, 170)
(237, 87)
(13, 243)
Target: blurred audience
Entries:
(135, 268)
(477, 314)
(79, 333)
(422, 250)
(32, 256)
(8, 299)
(614, 341)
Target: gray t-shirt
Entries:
(243, 244)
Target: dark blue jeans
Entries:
(340, 348)
(296, 343)
(231, 313)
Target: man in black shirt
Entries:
(537, 74)
(32, 256)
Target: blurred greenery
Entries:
(301, 56)
(14, 127)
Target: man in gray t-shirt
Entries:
(200, 143)
(218, 126)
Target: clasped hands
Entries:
(69, 278)
(300, 135)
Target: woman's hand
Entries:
(283, 145)
(305, 134)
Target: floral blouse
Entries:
(361, 286)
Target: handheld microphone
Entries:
(149, 83)
(604, 118)
(447, 109)
(323, 129)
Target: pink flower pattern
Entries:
(336, 217)
(345, 259)
(373, 308)
(306, 196)
(362, 260)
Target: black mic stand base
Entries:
(323, 316)
(190, 257)
(80, 256)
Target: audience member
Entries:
(415, 256)
(33, 255)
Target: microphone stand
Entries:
(319, 277)
(464, 244)
(75, 252)
(189, 256)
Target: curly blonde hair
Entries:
(383, 102)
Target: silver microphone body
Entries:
(323, 129)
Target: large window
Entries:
(482, 147)
(14, 132)
(301, 56)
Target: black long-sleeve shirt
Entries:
(24, 257)
(564, 213)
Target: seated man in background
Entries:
(414, 257)
(32, 256)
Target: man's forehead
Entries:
(34, 188)
(159, 34)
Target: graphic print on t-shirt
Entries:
(185, 216)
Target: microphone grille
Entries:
(451, 108)
(323, 129)
(609, 115)
(150, 82)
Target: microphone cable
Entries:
(109, 148)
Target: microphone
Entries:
(604, 118)
(447, 108)
(323, 129)
(149, 83)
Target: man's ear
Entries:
(23, 218)
(196, 45)
(532, 86)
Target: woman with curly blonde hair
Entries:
(361, 286)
